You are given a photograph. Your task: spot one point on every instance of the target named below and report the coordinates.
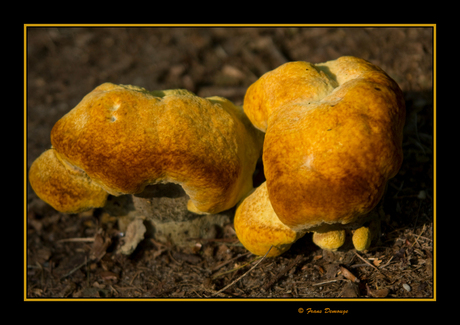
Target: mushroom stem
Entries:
(164, 209)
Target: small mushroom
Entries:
(258, 227)
(331, 240)
(120, 139)
(362, 238)
(333, 138)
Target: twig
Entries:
(354, 266)
(229, 261)
(416, 240)
(330, 281)
(386, 264)
(236, 268)
(226, 287)
(373, 265)
(425, 238)
(75, 269)
(221, 240)
(78, 239)
(366, 261)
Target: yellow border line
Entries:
(434, 168)
(25, 162)
(26, 26)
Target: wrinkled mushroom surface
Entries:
(123, 138)
(333, 139)
(259, 228)
(65, 187)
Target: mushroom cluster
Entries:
(120, 139)
(333, 138)
(330, 135)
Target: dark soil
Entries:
(74, 256)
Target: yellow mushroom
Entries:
(362, 238)
(119, 139)
(258, 227)
(331, 240)
(333, 138)
(66, 188)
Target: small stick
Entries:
(74, 269)
(371, 264)
(386, 264)
(350, 276)
(229, 261)
(78, 239)
(366, 261)
(331, 281)
(223, 240)
(416, 240)
(235, 269)
(226, 287)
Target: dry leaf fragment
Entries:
(317, 257)
(350, 290)
(108, 275)
(134, 235)
(381, 293)
(160, 248)
(101, 242)
(347, 274)
(377, 262)
(320, 269)
(378, 293)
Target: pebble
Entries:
(407, 287)
(422, 195)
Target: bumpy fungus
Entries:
(119, 139)
(259, 228)
(331, 240)
(333, 139)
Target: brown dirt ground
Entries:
(64, 64)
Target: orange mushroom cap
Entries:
(333, 139)
(124, 138)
